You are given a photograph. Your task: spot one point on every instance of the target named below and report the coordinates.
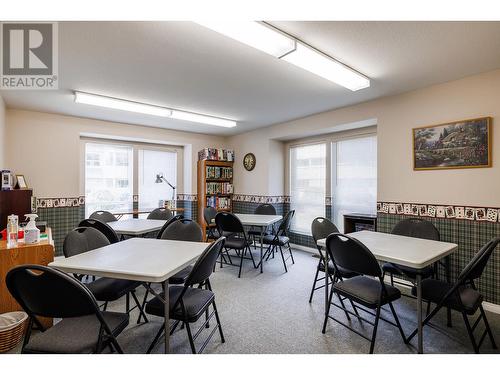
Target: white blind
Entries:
(354, 177)
(108, 177)
(152, 163)
(307, 185)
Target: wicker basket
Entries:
(12, 327)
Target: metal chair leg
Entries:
(398, 323)
(327, 313)
(470, 332)
(190, 336)
(156, 339)
(140, 307)
(283, 258)
(291, 254)
(314, 284)
(488, 329)
(218, 323)
(374, 334)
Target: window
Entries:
(354, 177)
(108, 177)
(151, 164)
(307, 185)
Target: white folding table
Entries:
(141, 259)
(136, 227)
(262, 222)
(407, 251)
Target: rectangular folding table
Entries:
(262, 222)
(136, 227)
(141, 259)
(407, 251)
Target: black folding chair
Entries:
(236, 239)
(262, 209)
(104, 216)
(191, 301)
(102, 227)
(105, 289)
(462, 296)
(46, 292)
(166, 225)
(160, 214)
(321, 227)
(279, 240)
(367, 291)
(209, 214)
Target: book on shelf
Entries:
(219, 154)
(219, 172)
(219, 188)
(219, 203)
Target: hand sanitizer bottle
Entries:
(31, 232)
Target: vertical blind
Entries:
(307, 185)
(354, 177)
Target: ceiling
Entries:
(186, 66)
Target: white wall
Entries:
(45, 148)
(2, 134)
(471, 97)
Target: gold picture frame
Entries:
(453, 145)
(21, 181)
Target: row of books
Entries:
(219, 188)
(219, 172)
(216, 154)
(219, 203)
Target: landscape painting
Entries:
(461, 144)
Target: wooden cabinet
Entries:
(17, 202)
(40, 253)
(215, 187)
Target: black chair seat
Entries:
(75, 335)
(434, 291)
(181, 276)
(108, 289)
(238, 243)
(344, 273)
(271, 239)
(366, 291)
(408, 271)
(195, 302)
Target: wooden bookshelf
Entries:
(203, 186)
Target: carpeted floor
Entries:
(270, 313)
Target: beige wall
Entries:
(471, 97)
(46, 148)
(2, 134)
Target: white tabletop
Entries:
(141, 259)
(258, 220)
(407, 251)
(135, 227)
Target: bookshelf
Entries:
(215, 187)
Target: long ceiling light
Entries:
(285, 47)
(254, 34)
(148, 109)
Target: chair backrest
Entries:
(160, 214)
(476, 266)
(265, 209)
(349, 253)
(104, 216)
(183, 230)
(321, 227)
(47, 292)
(102, 227)
(284, 226)
(83, 239)
(228, 222)
(205, 264)
(418, 228)
(209, 214)
(166, 225)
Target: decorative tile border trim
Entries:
(490, 214)
(60, 202)
(187, 197)
(261, 198)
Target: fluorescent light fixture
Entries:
(148, 109)
(314, 61)
(254, 34)
(123, 105)
(210, 120)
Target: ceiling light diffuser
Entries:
(254, 34)
(148, 109)
(314, 61)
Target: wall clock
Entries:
(249, 161)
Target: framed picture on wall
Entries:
(460, 144)
(21, 182)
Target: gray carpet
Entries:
(270, 313)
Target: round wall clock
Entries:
(249, 161)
